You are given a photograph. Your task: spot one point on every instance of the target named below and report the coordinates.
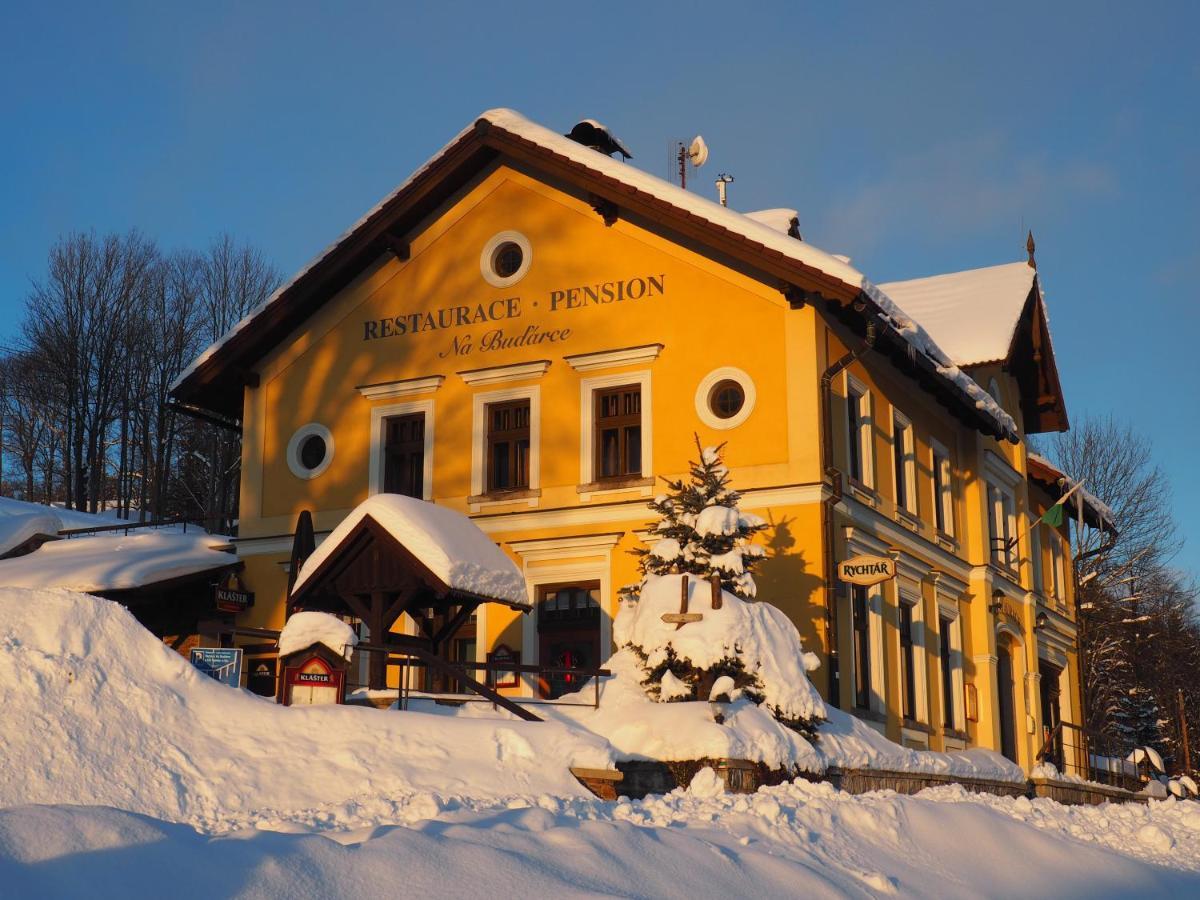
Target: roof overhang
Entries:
(216, 381)
(1031, 362)
(1057, 483)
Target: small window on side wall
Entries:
(904, 463)
(943, 498)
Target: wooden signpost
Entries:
(683, 617)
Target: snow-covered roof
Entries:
(115, 563)
(305, 629)
(697, 208)
(446, 542)
(973, 314)
(780, 219)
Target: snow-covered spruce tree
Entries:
(701, 531)
(739, 649)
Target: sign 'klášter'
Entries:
(867, 570)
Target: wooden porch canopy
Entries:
(372, 575)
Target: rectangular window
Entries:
(618, 432)
(1057, 566)
(1002, 526)
(943, 501)
(860, 610)
(903, 463)
(947, 664)
(508, 446)
(404, 455)
(908, 660)
(858, 433)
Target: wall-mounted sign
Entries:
(223, 664)
(867, 570)
(231, 595)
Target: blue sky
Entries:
(916, 139)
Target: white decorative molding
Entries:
(486, 262)
(504, 374)
(404, 387)
(607, 359)
(375, 454)
(572, 547)
(312, 429)
(998, 467)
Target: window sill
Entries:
(862, 493)
(953, 734)
(913, 725)
(501, 498)
(908, 520)
(643, 485)
(946, 541)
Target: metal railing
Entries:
(1074, 750)
(126, 527)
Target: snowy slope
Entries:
(796, 840)
(108, 715)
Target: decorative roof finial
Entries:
(1029, 247)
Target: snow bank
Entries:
(21, 521)
(108, 715)
(445, 541)
(795, 840)
(757, 633)
(304, 629)
(116, 562)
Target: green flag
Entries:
(1053, 516)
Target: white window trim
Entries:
(375, 463)
(479, 403)
(948, 609)
(1035, 554)
(711, 380)
(1058, 568)
(910, 595)
(1001, 525)
(293, 450)
(939, 451)
(909, 474)
(587, 421)
(866, 428)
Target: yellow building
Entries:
(530, 332)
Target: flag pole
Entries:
(1031, 525)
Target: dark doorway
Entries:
(1052, 711)
(1004, 684)
(404, 455)
(568, 622)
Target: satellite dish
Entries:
(698, 151)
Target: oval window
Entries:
(312, 451)
(726, 399)
(507, 259)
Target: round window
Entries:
(726, 399)
(507, 259)
(310, 451)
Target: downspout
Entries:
(834, 475)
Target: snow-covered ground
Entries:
(127, 773)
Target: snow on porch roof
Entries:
(972, 314)
(755, 234)
(446, 542)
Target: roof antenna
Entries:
(722, 181)
(696, 153)
(1029, 248)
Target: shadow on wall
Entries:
(786, 580)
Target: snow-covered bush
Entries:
(701, 531)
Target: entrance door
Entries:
(1004, 678)
(1052, 711)
(404, 455)
(568, 622)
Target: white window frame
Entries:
(479, 404)
(303, 433)
(866, 429)
(948, 609)
(1002, 526)
(940, 460)
(908, 455)
(1035, 555)
(710, 381)
(375, 456)
(1058, 567)
(910, 595)
(587, 421)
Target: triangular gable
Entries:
(215, 381)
